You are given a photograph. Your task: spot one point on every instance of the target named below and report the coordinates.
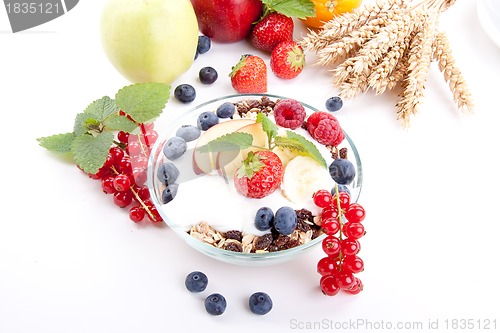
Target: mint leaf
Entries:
(143, 101)
(292, 8)
(120, 123)
(301, 144)
(101, 109)
(80, 126)
(90, 152)
(229, 142)
(59, 143)
(267, 126)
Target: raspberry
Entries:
(289, 113)
(325, 128)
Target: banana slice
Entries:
(302, 178)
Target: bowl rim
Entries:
(219, 253)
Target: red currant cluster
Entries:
(124, 173)
(341, 221)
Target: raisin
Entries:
(281, 241)
(273, 248)
(234, 234)
(304, 214)
(343, 153)
(291, 243)
(263, 242)
(303, 226)
(234, 247)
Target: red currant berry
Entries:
(331, 226)
(123, 199)
(150, 138)
(350, 246)
(140, 161)
(329, 212)
(156, 215)
(116, 154)
(328, 266)
(353, 264)
(124, 166)
(343, 198)
(137, 214)
(143, 193)
(122, 182)
(322, 198)
(331, 246)
(345, 280)
(355, 213)
(356, 288)
(328, 284)
(122, 137)
(134, 148)
(107, 185)
(140, 176)
(353, 230)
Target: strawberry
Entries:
(272, 30)
(287, 60)
(249, 75)
(260, 174)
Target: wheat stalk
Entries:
(446, 62)
(419, 61)
(388, 43)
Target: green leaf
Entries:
(90, 152)
(143, 101)
(291, 8)
(80, 126)
(101, 109)
(120, 123)
(267, 126)
(229, 142)
(59, 143)
(298, 142)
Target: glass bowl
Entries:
(187, 206)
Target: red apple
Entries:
(227, 21)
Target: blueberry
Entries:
(208, 75)
(188, 132)
(260, 303)
(264, 218)
(285, 220)
(206, 120)
(196, 282)
(169, 193)
(342, 188)
(175, 147)
(204, 44)
(167, 173)
(185, 93)
(342, 171)
(215, 304)
(334, 104)
(226, 110)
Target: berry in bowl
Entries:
(244, 178)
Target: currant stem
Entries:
(137, 197)
(339, 216)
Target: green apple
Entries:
(150, 40)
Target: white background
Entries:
(71, 261)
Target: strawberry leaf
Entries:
(120, 123)
(143, 101)
(291, 8)
(90, 151)
(302, 145)
(101, 109)
(59, 143)
(268, 127)
(229, 142)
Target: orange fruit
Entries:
(327, 9)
